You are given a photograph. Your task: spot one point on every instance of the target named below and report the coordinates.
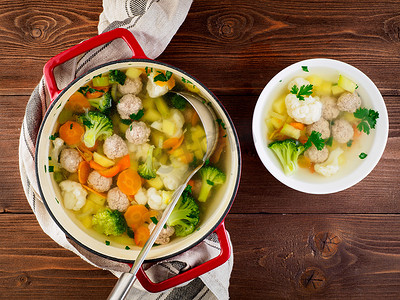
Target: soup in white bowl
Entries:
(320, 126)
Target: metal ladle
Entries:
(208, 119)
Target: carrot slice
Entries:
(187, 157)
(142, 234)
(85, 152)
(357, 132)
(71, 132)
(104, 195)
(221, 144)
(124, 163)
(77, 103)
(110, 172)
(129, 182)
(195, 119)
(136, 215)
(191, 183)
(95, 166)
(172, 143)
(96, 94)
(297, 125)
(151, 213)
(83, 171)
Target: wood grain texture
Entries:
(218, 39)
(287, 245)
(284, 248)
(268, 264)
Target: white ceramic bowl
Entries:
(350, 173)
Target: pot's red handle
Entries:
(194, 272)
(85, 46)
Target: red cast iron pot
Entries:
(217, 208)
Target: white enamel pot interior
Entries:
(217, 207)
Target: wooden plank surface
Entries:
(360, 257)
(234, 47)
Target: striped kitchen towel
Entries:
(153, 23)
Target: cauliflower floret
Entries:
(349, 102)
(331, 165)
(158, 200)
(98, 182)
(117, 200)
(172, 176)
(58, 145)
(140, 151)
(115, 147)
(321, 126)
(330, 110)
(315, 155)
(131, 86)
(129, 104)
(299, 81)
(165, 234)
(70, 159)
(153, 88)
(138, 133)
(141, 196)
(342, 131)
(305, 111)
(73, 193)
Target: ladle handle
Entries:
(85, 46)
(122, 286)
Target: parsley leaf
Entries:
(305, 90)
(222, 124)
(349, 143)
(368, 119)
(305, 68)
(329, 141)
(137, 116)
(163, 77)
(362, 155)
(316, 139)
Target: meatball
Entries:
(129, 104)
(138, 133)
(315, 155)
(349, 102)
(115, 147)
(131, 86)
(165, 234)
(330, 110)
(98, 182)
(299, 81)
(70, 160)
(321, 126)
(117, 200)
(342, 131)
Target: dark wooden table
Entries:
(287, 244)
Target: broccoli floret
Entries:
(186, 214)
(288, 152)
(102, 103)
(117, 76)
(176, 100)
(97, 126)
(210, 177)
(146, 169)
(109, 222)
